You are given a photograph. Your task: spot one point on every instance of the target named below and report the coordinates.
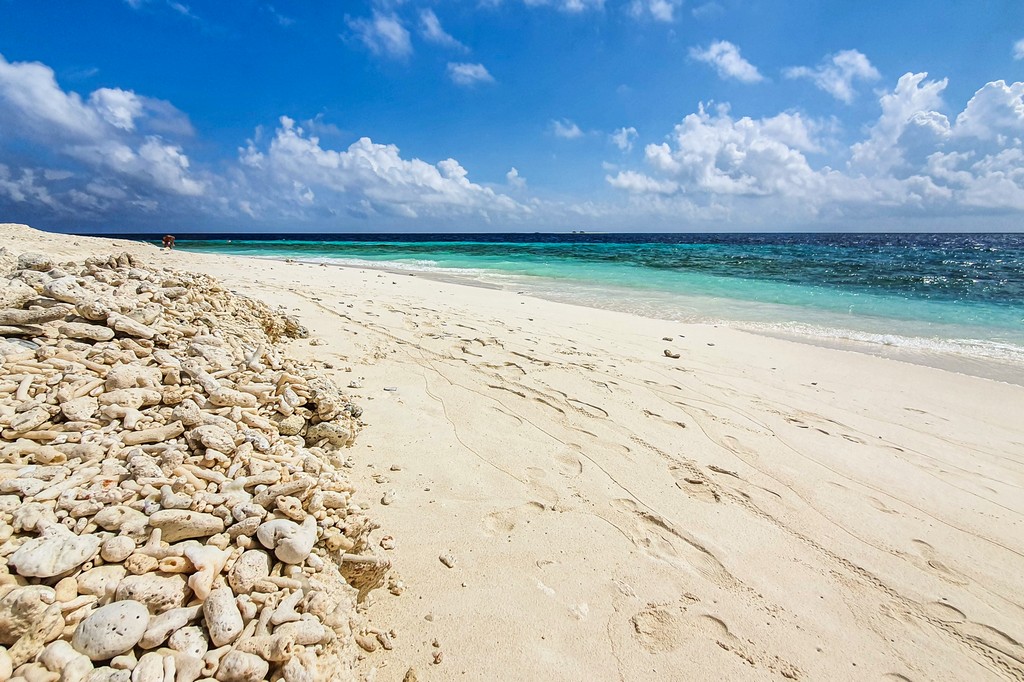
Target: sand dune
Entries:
(755, 509)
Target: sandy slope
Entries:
(757, 509)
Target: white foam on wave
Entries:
(980, 349)
(419, 265)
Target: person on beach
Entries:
(168, 241)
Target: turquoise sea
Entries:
(950, 300)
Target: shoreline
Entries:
(755, 509)
(982, 367)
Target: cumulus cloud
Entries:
(431, 30)
(566, 129)
(994, 114)
(912, 104)
(514, 179)
(468, 75)
(712, 152)
(295, 172)
(105, 159)
(24, 187)
(1018, 49)
(623, 138)
(914, 160)
(383, 34)
(638, 183)
(836, 74)
(113, 131)
(728, 62)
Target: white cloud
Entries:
(1018, 49)
(659, 10)
(994, 114)
(718, 154)
(31, 98)
(909, 105)
(913, 161)
(383, 35)
(623, 138)
(468, 75)
(114, 131)
(281, 19)
(566, 129)
(570, 6)
(119, 108)
(836, 74)
(431, 30)
(726, 59)
(183, 10)
(24, 189)
(514, 179)
(707, 10)
(120, 163)
(295, 170)
(638, 183)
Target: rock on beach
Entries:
(164, 467)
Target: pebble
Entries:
(156, 435)
(111, 630)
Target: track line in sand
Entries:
(997, 651)
(990, 652)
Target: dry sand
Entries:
(756, 509)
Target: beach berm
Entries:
(156, 522)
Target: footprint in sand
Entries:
(881, 506)
(663, 628)
(547, 404)
(735, 446)
(569, 464)
(658, 629)
(994, 639)
(666, 420)
(505, 521)
(662, 541)
(587, 409)
(944, 612)
(697, 488)
(930, 561)
(985, 635)
(546, 494)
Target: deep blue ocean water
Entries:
(960, 295)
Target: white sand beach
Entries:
(755, 509)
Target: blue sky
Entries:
(410, 115)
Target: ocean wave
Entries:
(979, 349)
(421, 265)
